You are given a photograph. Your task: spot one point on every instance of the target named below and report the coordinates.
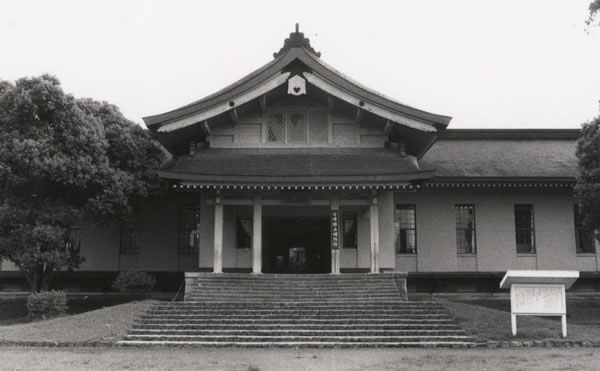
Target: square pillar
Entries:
(335, 253)
(218, 236)
(374, 219)
(257, 235)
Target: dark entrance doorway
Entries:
(296, 245)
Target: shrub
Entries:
(135, 282)
(46, 304)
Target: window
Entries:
(297, 127)
(189, 219)
(584, 238)
(525, 229)
(406, 229)
(466, 242)
(129, 238)
(73, 242)
(243, 231)
(350, 230)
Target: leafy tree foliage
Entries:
(587, 190)
(594, 9)
(60, 159)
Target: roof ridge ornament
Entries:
(296, 40)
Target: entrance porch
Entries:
(297, 231)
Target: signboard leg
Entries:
(563, 322)
(513, 324)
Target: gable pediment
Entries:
(299, 72)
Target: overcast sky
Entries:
(488, 64)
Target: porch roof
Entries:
(301, 166)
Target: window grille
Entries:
(318, 127)
(129, 238)
(243, 231)
(189, 220)
(406, 229)
(73, 242)
(296, 127)
(525, 229)
(466, 242)
(350, 230)
(584, 237)
(276, 128)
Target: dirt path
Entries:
(273, 359)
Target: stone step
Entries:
(302, 344)
(293, 305)
(306, 291)
(340, 338)
(301, 321)
(291, 318)
(300, 332)
(296, 310)
(296, 326)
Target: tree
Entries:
(60, 159)
(594, 9)
(587, 189)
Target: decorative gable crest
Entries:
(297, 40)
(296, 85)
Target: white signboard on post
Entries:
(538, 293)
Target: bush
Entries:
(46, 304)
(135, 282)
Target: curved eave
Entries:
(295, 180)
(188, 115)
(506, 179)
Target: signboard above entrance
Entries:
(335, 244)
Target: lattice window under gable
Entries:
(297, 127)
(276, 128)
(318, 128)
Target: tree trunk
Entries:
(41, 278)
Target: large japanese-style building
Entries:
(296, 168)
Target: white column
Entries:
(218, 236)
(335, 254)
(374, 218)
(257, 236)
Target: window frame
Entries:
(244, 216)
(354, 216)
(580, 228)
(308, 117)
(181, 230)
(398, 228)
(128, 233)
(473, 230)
(531, 229)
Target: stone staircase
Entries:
(277, 310)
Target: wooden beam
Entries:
(330, 103)
(205, 127)
(372, 108)
(359, 115)
(262, 101)
(387, 130)
(267, 86)
(234, 116)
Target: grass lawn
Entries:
(106, 324)
(290, 359)
(489, 319)
(14, 310)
